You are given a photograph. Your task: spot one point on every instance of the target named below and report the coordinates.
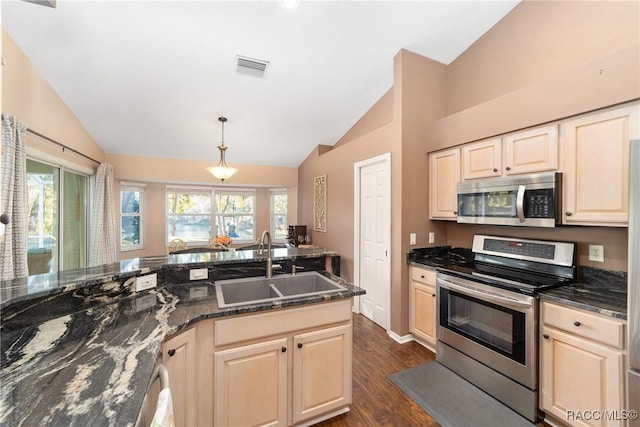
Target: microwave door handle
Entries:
(484, 296)
(520, 203)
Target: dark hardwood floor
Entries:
(376, 400)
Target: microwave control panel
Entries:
(539, 204)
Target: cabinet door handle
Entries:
(422, 276)
(567, 213)
(545, 336)
(433, 295)
(455, 212)
(508, 168)
(577, 323)
(284, 349)
(299, 345)
(171, 352)
(495, 169)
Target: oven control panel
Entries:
(537, 250)
(548, 252)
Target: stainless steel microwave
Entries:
(527, 200)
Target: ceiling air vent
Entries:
(252, 67)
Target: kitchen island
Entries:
(79, 348)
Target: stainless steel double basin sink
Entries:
(251, 290)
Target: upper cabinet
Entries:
(444, 175)
(482, 159)
(530, 151)
(596, 166)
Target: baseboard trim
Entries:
(400, 339)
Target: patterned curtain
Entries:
(103, 229)
(13, 191)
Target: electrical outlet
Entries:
(146, 282)
(596, 253)
(198, 274)
(412, 238)
(432, 237)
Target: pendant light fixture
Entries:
(222, 171)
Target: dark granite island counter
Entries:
(80, 348)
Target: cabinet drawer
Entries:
(255, 326)
(581, 323)
(423, 275)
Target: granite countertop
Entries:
(597, 290)
(85, 356)
(12, 291)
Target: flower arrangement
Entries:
(223, 240)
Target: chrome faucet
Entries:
(270, 266)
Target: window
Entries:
(196, 215)
(131, 216)
(235, 215)
(279, 221)
(57, 222)
(189, 215)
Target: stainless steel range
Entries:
(487, 327)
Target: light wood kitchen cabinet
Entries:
(179, 356)
(444, 175)
(321, 371)
(422, 305)
(596, 166)
(482, 159)
(582, 364)
(529, 151)
(251, 385)
(286, 366)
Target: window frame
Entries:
(133, 187)
(272, 214)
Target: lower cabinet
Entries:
(251, 385)
(582, 366)
(179, 357)
(321, 371)
(276, 368)
(422, 305)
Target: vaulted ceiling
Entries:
(151, 78)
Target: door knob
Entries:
(171, 352)
(299, 345)
(508, 168)
(545, 336)
(284, 349)
(577, 323)
(495, 170)
(567, 213)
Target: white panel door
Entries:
(374, 231)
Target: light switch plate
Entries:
(198, 274)
(412, 238)
(432, 237)
(146, 282)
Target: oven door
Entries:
(491, 325)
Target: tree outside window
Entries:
(189, 215)
(234, 215)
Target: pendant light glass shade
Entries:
(222, 171)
